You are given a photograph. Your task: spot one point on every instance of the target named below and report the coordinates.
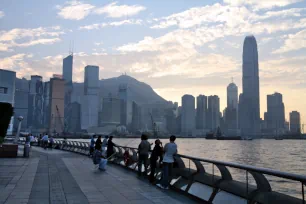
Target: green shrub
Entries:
(6, 112)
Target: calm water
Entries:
(283, 155)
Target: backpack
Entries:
(96, 157)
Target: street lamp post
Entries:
(20, 118)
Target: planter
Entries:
(8, 150)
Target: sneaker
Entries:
(162, 187)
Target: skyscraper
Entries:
(36, 101)
(275, 116)
(213, 116)
(249, 100)
(67, 68)
(232, 96)
(295, 122)
(56, 103)
(201, 112)
(231, 111)
(188, 115)
(67, 76)
(90, 104)
(21, 103)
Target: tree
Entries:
(6, 112)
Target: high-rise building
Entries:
(126, 105)
(232, 96)
(249, 99)
(74, 120)
(275, 116)
(188, 115)
(136, 117)
(67, 76)
(36, 101)
(90, 104)
(110, 114)
(57, 114)
(47, 117)
(68, 68)
(201, 112)
(213, 113)
(21, 103)
(295, 122)
(7, 92)
(230, 117)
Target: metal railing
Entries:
(190, 175)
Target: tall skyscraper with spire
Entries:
(249, 110)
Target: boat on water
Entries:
(278, 138)
(229, 138)
(210, 136)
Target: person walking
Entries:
(32, 139)
(143, 152)
(170, 150)
(98, 144)
(157, 154)
(92, 145)
(110, 147)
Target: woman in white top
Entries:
(170, 150)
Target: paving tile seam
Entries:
(23, 170)
(55, 185)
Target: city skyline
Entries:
(191, 65)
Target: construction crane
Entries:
(59, 117)
(153, 126)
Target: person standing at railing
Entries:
(110, 147)
(104, 145)
(143, 152)
(156, 154)
(51, 141)
(170, 150)
(45, 141)
(92, 145)
(98, 144)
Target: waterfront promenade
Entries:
(60, 177)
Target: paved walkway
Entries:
(59, 177)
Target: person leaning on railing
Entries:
(143, 152)
(170, 150)
(156, 154)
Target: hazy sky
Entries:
(178, 47)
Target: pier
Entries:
(71, 178)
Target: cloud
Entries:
(1, 14)
(109, 24)
(20, 37)
(74, 10)
(77, 10)
(293, 12)
(117, 11)
(258, 4)
(212, 46)
(293, 42)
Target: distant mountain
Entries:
(139, 92)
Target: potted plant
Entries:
(6, 150)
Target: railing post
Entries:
(247, 185)
(303, 195)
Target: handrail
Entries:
(266, 171)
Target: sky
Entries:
(178, 47)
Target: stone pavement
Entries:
(59, 177)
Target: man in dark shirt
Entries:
(98, 144)
(155, 155)
(110, 147)
(143, 152)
